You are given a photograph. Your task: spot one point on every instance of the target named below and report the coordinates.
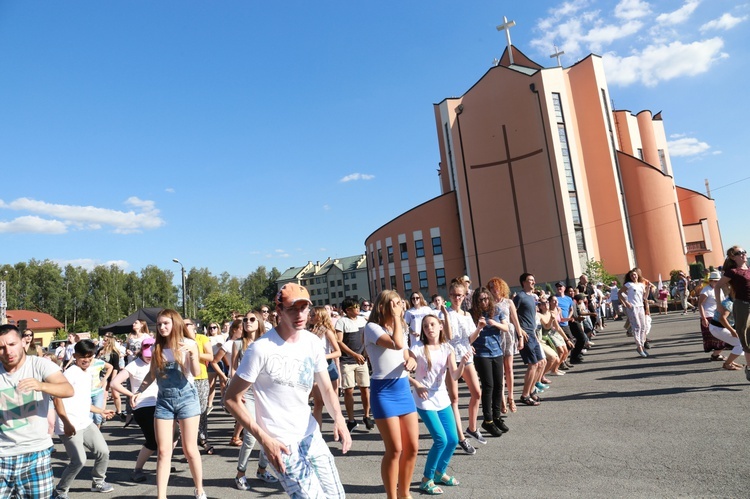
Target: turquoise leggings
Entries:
(442, 427)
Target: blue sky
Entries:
(243, 133)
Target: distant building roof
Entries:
(290, 273)
(34, 320)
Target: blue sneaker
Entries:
(541, 387)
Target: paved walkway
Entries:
(672, 425)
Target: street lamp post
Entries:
(184, 303)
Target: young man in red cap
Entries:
(282, 366)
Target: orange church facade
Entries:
(538, 174)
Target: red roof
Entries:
(34, 320)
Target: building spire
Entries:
(557, 55)
(506, 26)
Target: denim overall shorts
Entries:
(177, 398)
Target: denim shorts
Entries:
(177, 398)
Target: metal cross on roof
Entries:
(506, 26)
(557, 55)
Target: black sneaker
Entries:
(501, 425)
(369, 423)
(490, 428)
(646, 345)
(351, 425)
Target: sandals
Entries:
(529, 401)
(444, 479)
(731, 367)
(512, 404)
(717, 357)
(503, 408)
(430, 488)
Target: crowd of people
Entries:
(275, 372)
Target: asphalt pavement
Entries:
(672, 425)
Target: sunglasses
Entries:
(28, 335)
(264, 311)
(189, 324)
(213, 327)
(740, 253)
(249, 319)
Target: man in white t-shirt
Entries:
(282, 366)
(26, 383)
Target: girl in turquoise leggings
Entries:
(435, 356)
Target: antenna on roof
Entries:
(506, 26)
(708, 189)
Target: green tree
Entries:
(200, 283)
(76, 282)
(597, 273)
(157, 288)
(219, 307)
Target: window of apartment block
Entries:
(339, 282)
(380, 256)
(354, 286)
(407, 283)
(440, 277)
(404, 251)
(382, 282)
(393, 282)
(640, 154)
(437, 246)
(389, 250)
(419, 247)
(346, 288)
(372, 258)
(423, 284)
(341, 294)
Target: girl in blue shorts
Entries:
(392, 403)
(174, 363)
(435, 357)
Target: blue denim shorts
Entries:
(177, 398)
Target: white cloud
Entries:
(663, 62)
(144, 216)
(90, 263)
(687, 146)
(357, 176)
(326, 207)
(680, 15)
(169, 190)
(725, 22)
(30, 224)
(604, 35)
(632, 9)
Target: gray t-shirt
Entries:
(23, 416)
(354, 336)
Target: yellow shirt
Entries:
(202, 339)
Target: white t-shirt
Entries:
(23, 416)
(228, 347)
(433, 379)
(387, 363)
(635, 293)
(282, 374)
(709, 303)
(169, 357)
(414, 316)
(462, 327)
(77, 407)
(137, 370)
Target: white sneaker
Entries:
(202, 495)
(241, 483)
(101, 487)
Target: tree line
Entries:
(84, 300)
